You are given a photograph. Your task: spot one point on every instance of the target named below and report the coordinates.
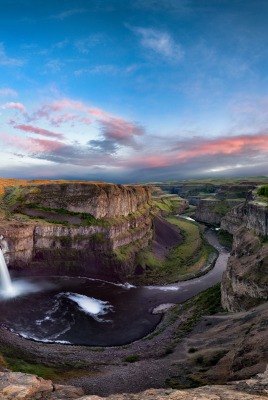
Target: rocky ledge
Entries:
(102, 200)
(19, 386)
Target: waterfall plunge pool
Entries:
(84, 311)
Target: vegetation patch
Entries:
(132, 358)
(263, 191)
(225, 239)
(182, 260)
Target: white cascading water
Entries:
(5, 281)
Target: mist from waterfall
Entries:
(10, 289)
(6, 287)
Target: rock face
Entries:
(91, 248)
(18, 386)
(211, 211)
(98, 199)
(245, 282)
(251, 214)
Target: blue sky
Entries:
(133, 90)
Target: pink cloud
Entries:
(33, 145)
(12, 105)
(234, 146)
(120, 130)
(39, 131)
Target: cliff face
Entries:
(251, 214)
(100, 199)
(245, 282)
(211, 211)
(92, 247)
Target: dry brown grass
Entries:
(7, 182)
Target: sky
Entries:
(133, 90)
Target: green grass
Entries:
(19, 365)
(186, 258)
(132, 358)
(225, 239)
(263, 191)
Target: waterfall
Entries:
(5, 280)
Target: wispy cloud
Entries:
(113, 132)
(39, 131)
(85, 45)
(53, 66)
(8, 92)
(107, 69)
(14, 106)
(5, 60)
(69, 13)
(181, 7)
(160, 43)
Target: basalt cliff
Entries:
(245, 281)
(94, 229)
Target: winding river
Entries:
(85, 311)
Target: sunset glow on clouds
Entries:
(133, 91)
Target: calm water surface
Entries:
(92, 312)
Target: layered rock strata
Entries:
(92, 247)
(251, 214)
(245, 282)
(211, 211)
(98, 199)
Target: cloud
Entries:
(54, 66)
(5, 60)
(85, 45)
(107, 69)
(192, 157)
(120, 131)
(112, 129)
(8, 92)
(39, 131)
(15, 106)
(160, 43)
(171, 6)
(69, 13)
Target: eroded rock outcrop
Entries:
(88, 240)
(98, 199)
(19, 386)
(251, 214)
(211, 211)
(245, 282)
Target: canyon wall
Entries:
(98, 199)
(99, 247)
(211, 211)
(245, 282)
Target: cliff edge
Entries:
(75, 227)
(245, 282)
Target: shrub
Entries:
(131, 359)
(263, 191)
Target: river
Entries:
(87, 311)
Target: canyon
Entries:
(196, 343)
(67, 228)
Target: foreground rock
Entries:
(18, 386)
(205, 393)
